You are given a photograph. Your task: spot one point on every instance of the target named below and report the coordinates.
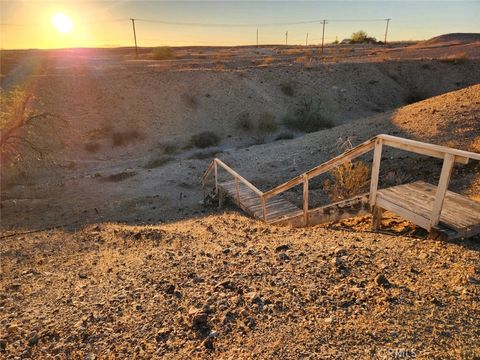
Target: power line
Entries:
(255, 24)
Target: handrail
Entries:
(323, 168)
(231, 172)
(433, 150)
(208, 171)
(237, 175)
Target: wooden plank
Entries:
(458, 211)
(340, 210)
(421, 202)
(305, 199)
(428, 149)
(405, 213)
(264, 209)
(216, 176)
(377, 158)
(237, 191)
(377, 217)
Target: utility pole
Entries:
(257, 38)
(323, 33)
(286, 38)
(306, 40)
(135, 37)
(386, 31)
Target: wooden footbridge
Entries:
(443, 213)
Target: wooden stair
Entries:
(443, 213)
(277, 208)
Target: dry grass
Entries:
(157, 162)
(244, 121)
(266, 123)
(267, 60)
(205, 139)
(120, 176)
(308, 118)
(163, 53)
(454, 59)
(92, 147)
(123, 138)
(287, 89)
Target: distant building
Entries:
(345, 41)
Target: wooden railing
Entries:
(215, 164)
(449, 155)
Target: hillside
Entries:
(224, 286)
(109, 250)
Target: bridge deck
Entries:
(414, 201)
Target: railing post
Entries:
(237, 187)
(377, 158)
(216, 175)
(264, 208)
(305, 199)
(447, 167)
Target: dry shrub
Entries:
(122, 138)
(348, 180)
(287, 89)
(267, 60)
(415, 95)
(204, 154)
(120, 176)
(266, 123)
(292, 51)
(307, 118)
(244, 121)
(92, 147)
(205, 139)
(220, 65)
(163, 53)
(190, 100)
(157, 162)
(454, 59)
(284, 136)
(168, 148)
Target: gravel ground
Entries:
(225, 287)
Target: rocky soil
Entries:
(226, 287)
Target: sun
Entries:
(62, 23)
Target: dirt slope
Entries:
(225, 287)
(171, 191)
(457, 38)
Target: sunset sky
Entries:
(28, 24)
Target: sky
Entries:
(27, 24)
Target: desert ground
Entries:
(108, 249)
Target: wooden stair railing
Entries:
(449, 156)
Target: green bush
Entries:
(205, 139)
(163, 53)
(307, 118)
